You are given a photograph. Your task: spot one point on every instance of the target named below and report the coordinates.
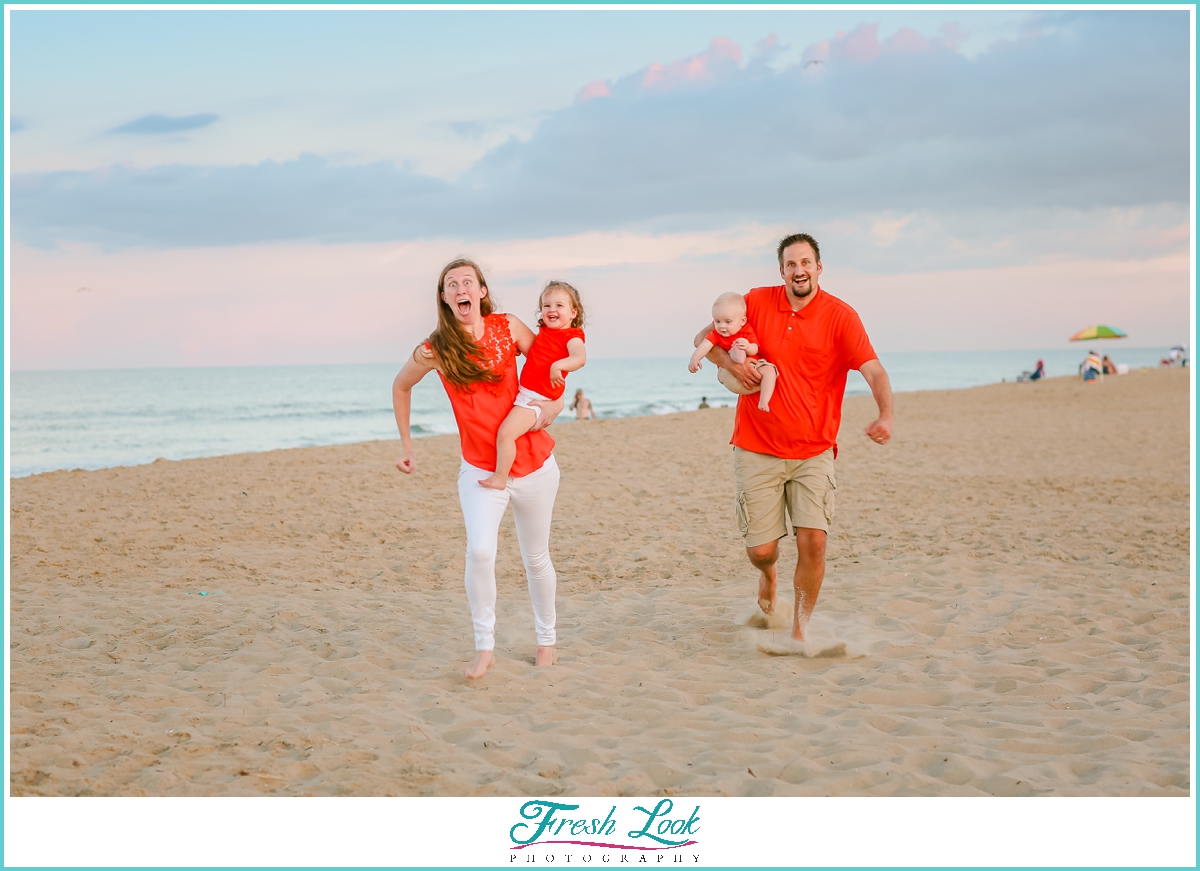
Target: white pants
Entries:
(532, 499)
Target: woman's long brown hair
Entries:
(460, 359)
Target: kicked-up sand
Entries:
(1006, 612)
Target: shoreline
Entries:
(858, 392)
(1009, 579)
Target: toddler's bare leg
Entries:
(517, 423)
(767, 388)
(737, 355)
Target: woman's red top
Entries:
(549, 346)
(480, 408)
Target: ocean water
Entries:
(119, 417)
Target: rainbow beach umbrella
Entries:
(1097, 332)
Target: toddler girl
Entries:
(557, 349)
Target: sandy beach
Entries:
(1006, 612)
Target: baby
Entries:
(731, 332)
(557, 349)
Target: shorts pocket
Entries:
(830, 499)
(741, 515)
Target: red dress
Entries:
(480, 408)
(548, 346)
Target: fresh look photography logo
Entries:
(567, 835)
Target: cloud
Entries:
(592, 91)
(153, 125)
(195, 206)
(468, 129)
(720, 60)
(768, 47)
(1086, 115)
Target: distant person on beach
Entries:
(783, 461)
(703, 402)
(582, 406)
(1177, 356)
(1091, 368)
(558, 348)
(1110, 368)
(1039, 372)
(474, 351)
(733, 334)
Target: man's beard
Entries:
(800, 295)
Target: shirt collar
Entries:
(785, 306)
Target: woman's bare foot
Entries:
(482, 662)
(545, 656)
(494, 483)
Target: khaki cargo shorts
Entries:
(767, 486)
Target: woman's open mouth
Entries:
(464, 306)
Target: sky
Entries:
(221, 187)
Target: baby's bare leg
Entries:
(518, 422)
(767, 388)
(737, 355)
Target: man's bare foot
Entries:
(799, 624)
(545, 656)
(767, 592)
(482, 662)
(494, 483)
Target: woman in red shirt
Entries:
(474, 352)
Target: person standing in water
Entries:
(582, 406)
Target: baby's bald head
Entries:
(730, 304)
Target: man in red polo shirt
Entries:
(783, 459)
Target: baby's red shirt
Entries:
(548, 346)
(726, 342)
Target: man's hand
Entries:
(880, 430)
(745, 372)
(407, 462)
(550, 410)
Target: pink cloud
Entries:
(592, 90)
(860, 44)
(818, 51)
(952, 35)
(907, 39)
(766, 46)
(704, 67)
